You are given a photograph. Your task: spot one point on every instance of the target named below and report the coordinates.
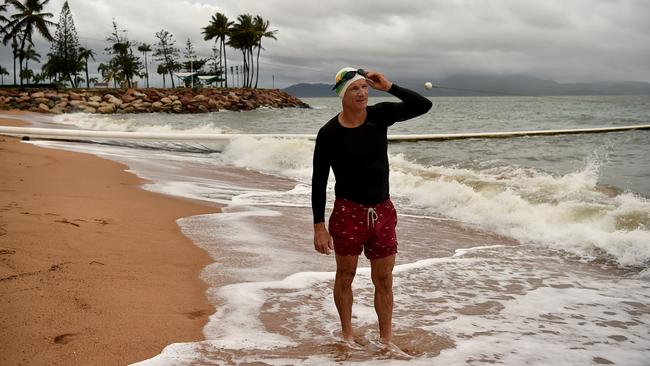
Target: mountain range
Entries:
(476, 85)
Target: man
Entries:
(354, 144)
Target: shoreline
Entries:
(93, 268)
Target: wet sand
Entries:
(93, 269)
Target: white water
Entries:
(567, 212)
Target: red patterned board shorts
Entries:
(355, 228)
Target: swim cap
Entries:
(340, 90)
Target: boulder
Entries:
(106, 109)
(200, 98)
(165, 100)
(213, 104)
(157, 106)
(128, 98)
(112, 106)
(41, 100)
(38, 95)
(95, 98)
(43, 108)
(116, 101)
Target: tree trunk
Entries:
(257, 75)
(225, 59)
(251, 65)
(87, 79)
(244, 69)
(20, 70)
(21, 57)
(146, 68)
(71, 81)
(14, 70)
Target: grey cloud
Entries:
(567, 40)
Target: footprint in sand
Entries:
(10, 206)
(65, 338)
(65, 221)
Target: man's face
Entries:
(356, 95)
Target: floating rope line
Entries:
(81, 135)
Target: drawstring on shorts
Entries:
(372, 217)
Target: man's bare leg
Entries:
(346, 268)
(382, 278)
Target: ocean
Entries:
(525, 250)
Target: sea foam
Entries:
(570, 212)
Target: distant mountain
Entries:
(471, 85)
(306, 90)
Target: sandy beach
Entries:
(93, 269)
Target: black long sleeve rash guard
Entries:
(359, 156)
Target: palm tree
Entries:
(3, 8)
(30, 54)
(50, 68)
(243, 38)
(162, 70)
(3, 20)
(85, 54)
(261, 28)
(109, 72)
(38, 78)
(3, 72)
(102, 69)
(144, 48)
(219, 28)
(23, 23)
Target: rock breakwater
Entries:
(145, 100)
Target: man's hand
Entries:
(378, 81)
(322, 240)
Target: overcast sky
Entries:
(565, 40)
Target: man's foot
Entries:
(391, 349)
(347, 337)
